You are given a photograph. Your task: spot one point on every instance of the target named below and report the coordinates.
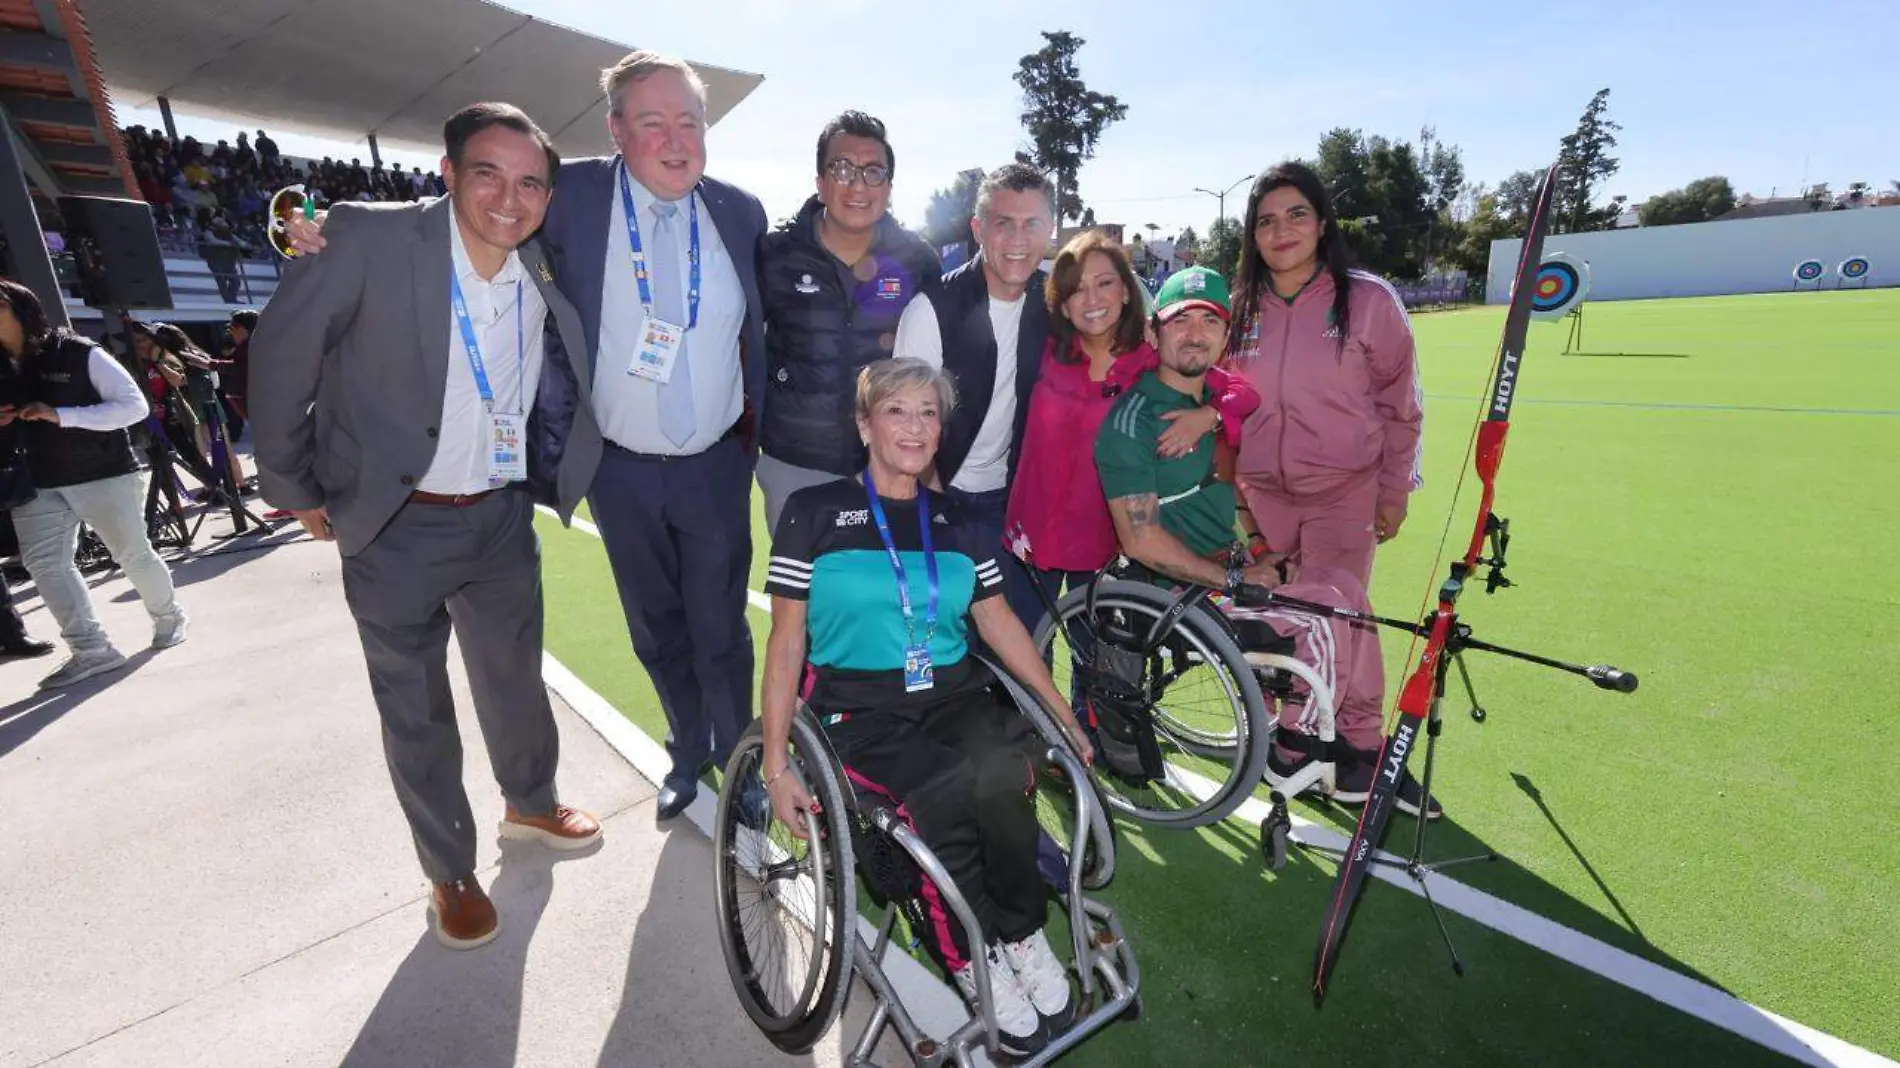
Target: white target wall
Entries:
(1707, 259)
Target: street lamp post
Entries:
(1222, 195)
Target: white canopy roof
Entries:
(342, 69)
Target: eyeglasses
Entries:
(844, 172)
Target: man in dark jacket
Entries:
(835, 281)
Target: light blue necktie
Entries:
(677, 417)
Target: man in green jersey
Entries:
(1173, 517)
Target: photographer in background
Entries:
(192, 370)
(72, 403)
(235, 380)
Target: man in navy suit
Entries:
(659, 261)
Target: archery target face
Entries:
(1855, 267)
(1562, 283)
(1809, 271)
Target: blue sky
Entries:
(1766, 94)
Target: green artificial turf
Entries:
(1700, 499)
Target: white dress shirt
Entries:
(628, 406)
(986, 468)
(121, 401)
(511, 361)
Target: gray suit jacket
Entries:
(349, 365)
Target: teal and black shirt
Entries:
(827, 552)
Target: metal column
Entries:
(171, 128)
(27, 259)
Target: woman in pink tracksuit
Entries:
(1058, 522)
(1329, 459)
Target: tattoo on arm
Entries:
(1142, 510)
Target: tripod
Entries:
(1415, 865)
(1459, 639)
(164, 511)
(225, 488)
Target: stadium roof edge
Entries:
(347, 69)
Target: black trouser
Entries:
(961, 773)
(678, 534)
(12, 627)
(982, 516)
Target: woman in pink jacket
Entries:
(1058, 522)
(1329, 459)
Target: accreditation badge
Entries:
(659, 347)
(507, 450)
(918, 674)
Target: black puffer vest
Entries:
(823, 323)
(59, 376)
(962, 305)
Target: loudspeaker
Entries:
(115, 248)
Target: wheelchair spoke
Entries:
(1195, 706)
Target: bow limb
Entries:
(1426, 681)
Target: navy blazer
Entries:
(576, 232)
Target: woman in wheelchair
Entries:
(874, 588)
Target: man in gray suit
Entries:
(392, 385)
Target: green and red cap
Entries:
(1192, 287)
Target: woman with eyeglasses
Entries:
(834, 279)
(1330, 458)
(1058, 521)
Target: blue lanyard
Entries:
(640, 253)
(897, 562)
(475, 349)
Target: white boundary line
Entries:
(1691, 996)
(932, 1004)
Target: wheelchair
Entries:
(1182, 687)
(789, 924)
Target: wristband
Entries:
(774, 777)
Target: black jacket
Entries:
(60, 376)
(962, 304)
(823, 323)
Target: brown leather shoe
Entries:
(564, 828)
(462, 915)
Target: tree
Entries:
(1699, 201)
(1341, 164)
(1585, 164)
(1187, 239)
(1220, 249)
(1490, 220)
(1064, 117)
(1088, 218)
(1516, 196)
(947, 218)
(1384, 199)
(1444, 165)
(1858, 192)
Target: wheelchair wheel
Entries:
(787, 906)
(1210, 719)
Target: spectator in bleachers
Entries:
(191, 190)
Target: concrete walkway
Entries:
(204, 865)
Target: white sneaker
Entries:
(83, 666)
(1042, 977)
(170, 630)
(1020, 1028)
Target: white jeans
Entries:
(48, 527)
